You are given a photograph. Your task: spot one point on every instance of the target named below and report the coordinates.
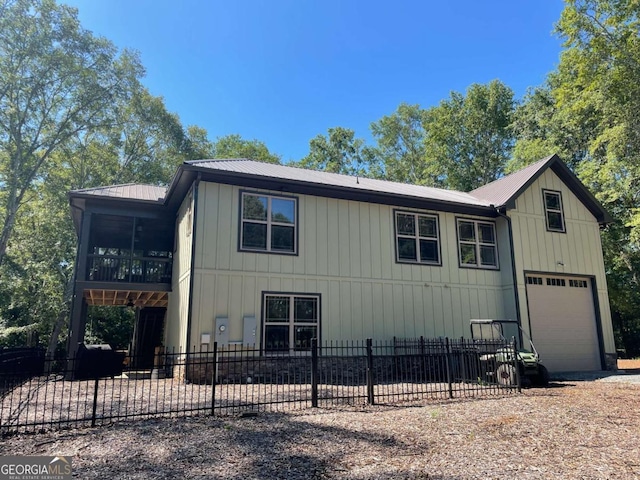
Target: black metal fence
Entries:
(239, 380)
(19, 364)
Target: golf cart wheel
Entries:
(543, 376)
(506, 375)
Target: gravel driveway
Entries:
(586, 430)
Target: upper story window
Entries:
(553, 211)
(477, 245)
(268, 223)
(417, 239)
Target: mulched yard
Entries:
(586, 430)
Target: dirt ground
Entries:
(571, 430)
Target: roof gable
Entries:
(504, 191)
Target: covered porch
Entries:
(124, 260)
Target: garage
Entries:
(563, 322)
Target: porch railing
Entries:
(114, 268)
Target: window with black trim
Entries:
(417, 238)
(290, 322)
(553, 211)
(268, 223)
(477, 245)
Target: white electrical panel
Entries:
(249, 332)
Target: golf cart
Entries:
(499, 359)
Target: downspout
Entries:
(513, 266)
(194, 222)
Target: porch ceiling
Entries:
(123, 297)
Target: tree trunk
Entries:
(60, 319)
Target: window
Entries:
(556, 282)
(477, 247)
(417, 238)
(534, 280)
(553, 211)
(578, 283)
(268, 223)
(290, 322)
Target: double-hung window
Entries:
(268, 223)
(417, 238)
(477, 246)
(553, 211)
(290, 322)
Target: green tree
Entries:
(400, 144)
(56, 80)
(37, 274)
(234, 146)
(468, 138)
(338, 152)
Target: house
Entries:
(242, 252)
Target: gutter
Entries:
(194, 222)
(513, 265)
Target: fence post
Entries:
(514, 350)
(462, 352)
(314, 372)
(423, 360)
(447, 362)
(370, 397)
(95, 403)
(214, 377)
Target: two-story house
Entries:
(237, 251)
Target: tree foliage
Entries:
(56, 81)
(469, 137)
(338, 152)
(234, 146)
(400, 144)
(462, 143)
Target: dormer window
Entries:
(553, 211)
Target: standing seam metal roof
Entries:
(282, 172)
(152, 193)
(497, 193)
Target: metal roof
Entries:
(502, 191)
(282, 172)
(131, 191)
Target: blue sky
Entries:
(284, 71)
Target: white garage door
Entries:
(563, 322)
